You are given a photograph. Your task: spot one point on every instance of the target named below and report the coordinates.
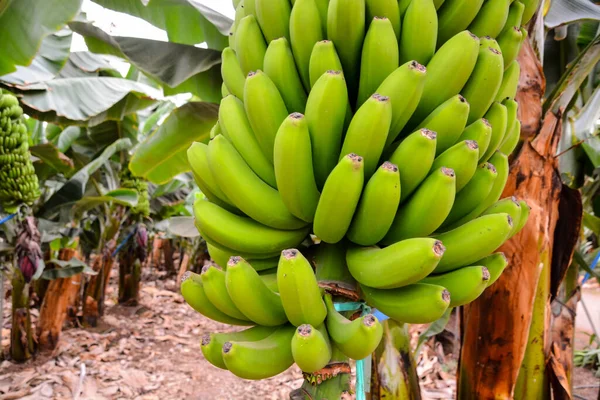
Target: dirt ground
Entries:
(152, 352)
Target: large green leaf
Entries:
(67, 137)
(124, 197)
(66, 269)
(185, 21)
(74, 189)
(163, 154)
(50, 155)
(88, 64)
(25, 24)
(183, 68)
(585, 127)
(85, 100)
(563, 12)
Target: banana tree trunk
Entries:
(130, 269)
(95, 290)
(22, 346)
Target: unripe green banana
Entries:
(385, 9)
(311, 348)
(246, 190)
(215, 130)
(330, 264)
(510, 206)
(233, 76)
(497, 116)
(274, 18)
(368, 130)
(462, 159)
(213, 281)
(339, 199)
(414, 158)
(495, 264)
(346, 29)
(240, 12)
(325, 114)
(250, 45)
(251, 295)
(236, 127)
(260, 359)
(515, 15)
(212, 343)
(510, 82)
(484, 83)
(224, 90)
(531, 7)
(305, 31)
(455, 16)
(299, 290)
(241, 233)
(436, 3)
(419, 303)
(473, 194)
(512, 111)
(479, 131)
(322, 59)
(377, 206)
(294, 168)
(265, 259)
(487, 41)
(491, 18)
(525, 210)
(281, 68)
(447, 73)
(473, 240)
(404, 87)
(265, 109)
(379, 57)
(419, 32)
(464, 284)
(512, 139)
(448, 121)
(194, 294)
(356, 339)
(403, 6)
(379, 268)
(510, 44)
(250, 7)
(323, 6)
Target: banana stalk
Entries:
(22, 346)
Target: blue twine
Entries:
(592, 267)
(123, 242)
(7, 218)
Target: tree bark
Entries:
(22, 346)
(95, 290)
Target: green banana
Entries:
(436, 3)
(495, 264)
(419, 32)
(484, 83)
(448, 121)
(269, 278)
(531, 7)
(240, 12)
(305, 31)
(339, 199)
(246, 190)
(473, 240)
(379, 57)
(414, 158)
(403, 6)
(462, 158)
(330, 264)
(215, 130)
(260, 359)
(299, 290)
(419, 303)
(479, 131)
(251, 295)
(281, 68)
(213, 281)
(397, 265)
(194, 294)
(368, 132)
(356, 339)
(311, 348)
(322, 59)
(385, 9)
(512, 111)
(455, 16)
(447, 73)
(294, 168)
(264, 260)
(265, 109)
(487, 41)
(233, 76)
(510, 44)
(510, 82)
(426, 209)
(497, 116)
(491, 18)
(465, 284)
(250, 46)
(473, 194)
(512, 139)
(250, 7)
(515, 15)
(325, 113)
(212, 343)
(377, 206)
(236, 127)
(525, 210)
(346, 29)
(323, 6)
(274, 18)
(224, 90)
(241, 233)
(221, 256)
(404, 87)
(510, 206)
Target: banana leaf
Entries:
(563, 12)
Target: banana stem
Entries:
(21, 336)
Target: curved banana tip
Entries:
(296, 115)
(205, 339)
(516, 201)
(485, 274)
(380, 98)
(186, 276)
(389, 166)
(207, 267)
(448, 172)
(472, 144)
(446, 296)
(369, 320)
(462, 99)
(491, 167)
(438, 248)
(227, 347)
(355, 158)
(304, 330)
(289, 254)
(429, 134)
(417, 66)
(474, 36)
(234, 260)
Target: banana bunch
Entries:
(369, 138)
(129, 181)
(18, 181)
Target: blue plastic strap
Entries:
(592, 267)
(7, 218)
(360, 379)
(379, 315)
(123, 242)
